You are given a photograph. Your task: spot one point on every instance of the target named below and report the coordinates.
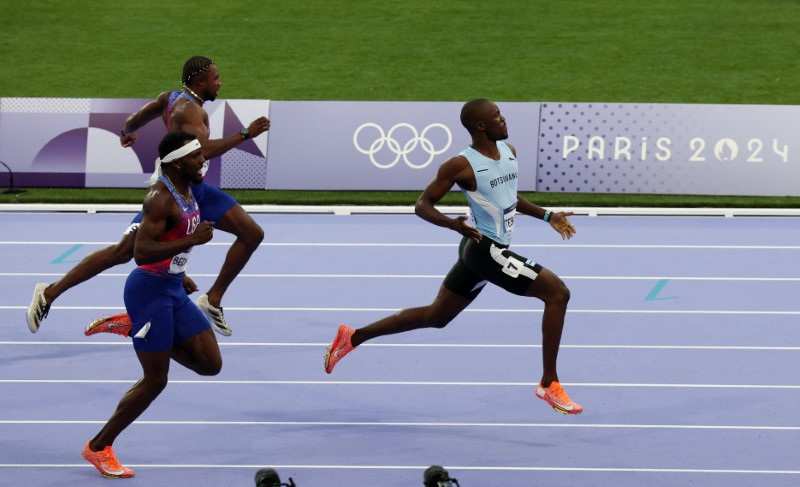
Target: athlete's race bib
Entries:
(508, 218)
(513, 266)
(179, 262)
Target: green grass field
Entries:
(257, 197)
(681, 51)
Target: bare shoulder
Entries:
(457, 170)
(187, 108)
(513, 150)
(161, 102)
(190, 117)
(159, 201)
(455, 163)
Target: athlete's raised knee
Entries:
(561, 295)
(237, 222)
(207, 362)
(252, 236)
(211, 367)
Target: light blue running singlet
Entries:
(493, 204)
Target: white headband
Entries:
(180, 152)
(176, 154)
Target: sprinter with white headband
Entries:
(177, 154)
(165, 323)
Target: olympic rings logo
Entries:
(402, 151)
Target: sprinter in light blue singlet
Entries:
(494, 203)
(487, 174)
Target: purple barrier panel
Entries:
(380, 145)
(44, 136)
(659, 148)
(245, 166)
(46, 179)
(75, 143)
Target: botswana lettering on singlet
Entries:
(503, 179)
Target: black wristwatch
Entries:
(245, 133)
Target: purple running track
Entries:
(681, 343)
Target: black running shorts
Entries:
(489, 261)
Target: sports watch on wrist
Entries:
(245, 133)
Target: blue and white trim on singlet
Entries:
(493, 204)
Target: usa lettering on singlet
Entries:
(190, 218)
(494, 202)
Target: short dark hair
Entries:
(173, 141)
(194, 66)
(470, 114)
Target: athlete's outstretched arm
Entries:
(193, 120)
(455, 170)
(141, 117)
(558, 220)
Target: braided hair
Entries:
(194, 66)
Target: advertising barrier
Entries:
(664, 148)
(74, 142)
(561, 147)
(380, 145)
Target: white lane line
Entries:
(468, 310)
(405, 383)
(419, 424)
(451, 468)
(431, 345)
(433, 276)
(453, 245)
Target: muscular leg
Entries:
(199, 353)
(438, 314)
(92, 265)
(156, 367)
(551, 289)
(248, 237)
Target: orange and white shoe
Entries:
(106, 463)
(118, 324)
(557, 397)
(341, 346)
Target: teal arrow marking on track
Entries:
(653, 295)
(62, 259)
